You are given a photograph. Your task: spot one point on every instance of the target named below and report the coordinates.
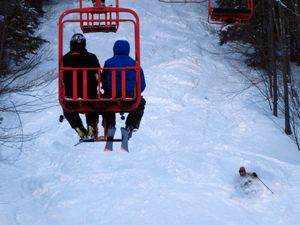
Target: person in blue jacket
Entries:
(121, 58)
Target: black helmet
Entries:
(77, 42)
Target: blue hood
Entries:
(121, 47)
(121, 58)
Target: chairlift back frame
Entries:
(99, 21)
(101, 104)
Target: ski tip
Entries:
(107, 150)
(124, 149)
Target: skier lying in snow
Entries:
(243, 173)
(247, 178)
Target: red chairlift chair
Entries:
(99, 104)
(233, 16)
(99, 18)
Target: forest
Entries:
(19, 54)
(270, 41)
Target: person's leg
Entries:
(108, 119)
(73, 119)
(75, 122)
(92, 123)
(134, 118)
(91, 119)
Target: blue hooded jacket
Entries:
(121, 58)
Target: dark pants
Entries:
(75, 120)
(133, 119)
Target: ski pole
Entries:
(264, 184)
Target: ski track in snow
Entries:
(183, 162)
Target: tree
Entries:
(18, 53)
(18, 23)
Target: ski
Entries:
(110, 136)
(81, 140)
(78, 143)
(124, 143)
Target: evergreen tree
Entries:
(18, 23)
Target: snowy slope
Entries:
(182, 169)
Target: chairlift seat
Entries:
(98, 20)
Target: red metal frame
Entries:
(104, 104)
(115, 103)
(230, 16)
(100, 21)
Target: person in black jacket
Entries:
(79, 57)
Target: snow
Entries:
(182, 168)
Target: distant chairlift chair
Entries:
(233, 16)
(99, 18)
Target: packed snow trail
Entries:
(183, 164)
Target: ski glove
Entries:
(254, 174)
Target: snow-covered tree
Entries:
(18, 39)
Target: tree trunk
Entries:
(272, 58)
(3, 14)
(285, 62)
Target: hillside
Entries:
(199, 127)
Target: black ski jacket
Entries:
(81, 59)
